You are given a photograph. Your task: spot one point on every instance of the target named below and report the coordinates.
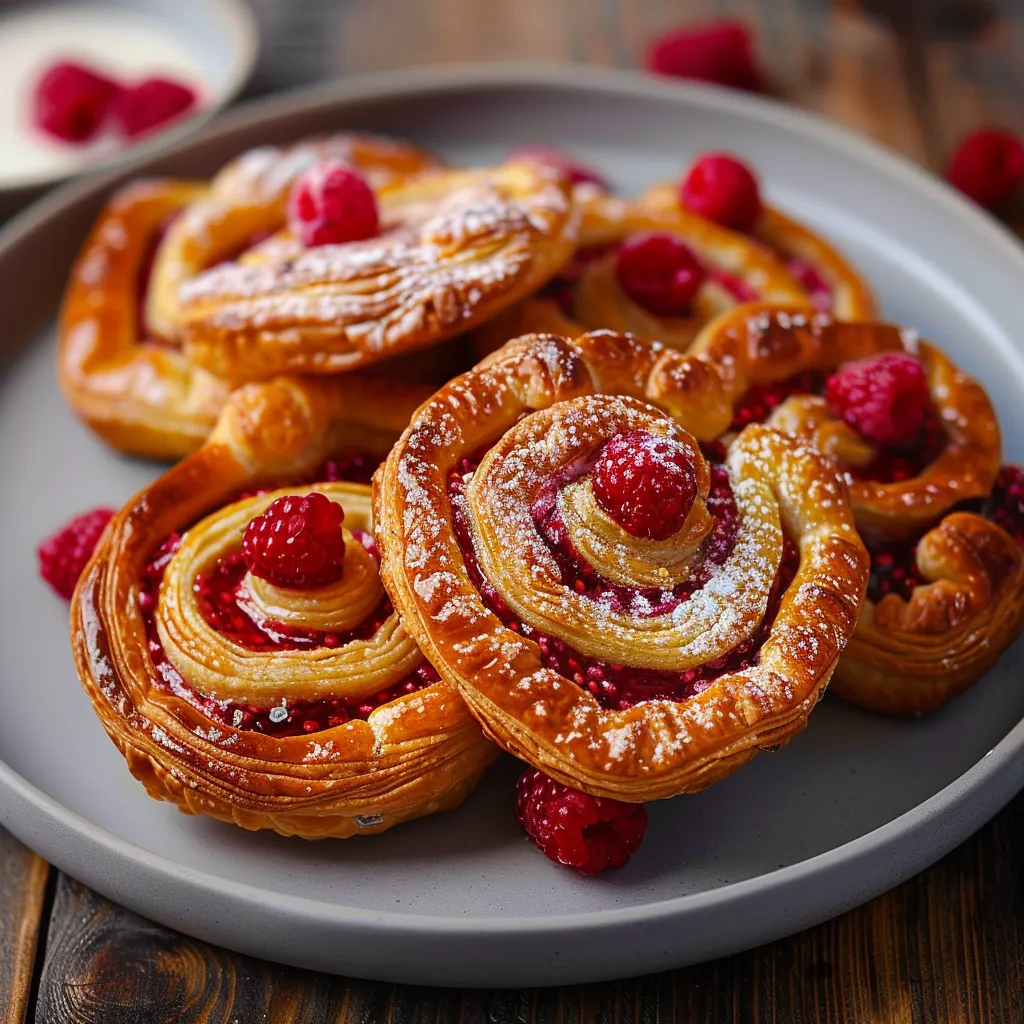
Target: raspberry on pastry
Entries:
(659, 273)
(330, 204)
(723, 189)
(64, 556)
(630, 617)
(238, 646)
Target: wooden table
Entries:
(947, 946)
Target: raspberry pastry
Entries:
(120, 364)
(918, 442)
(454, 249)
(633, 616)
(724, 190)
(238, 646)
(660, 274)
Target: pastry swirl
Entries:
(455, 249)
(545, 660)
(961, 602)
(332, 726)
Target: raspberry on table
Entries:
(296, 542)
(646, 483)
(721, 188)
(330, 204)
(721, 52)
(64, 556)
(548, 156)
(589, 833)
(71, 101)
(140, 108)
(659, 272)
(883, 398)
(988, 166)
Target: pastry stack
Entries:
(483, 460)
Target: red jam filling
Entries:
(813, 281)
(218, 593)
(619, 686)
(759, 401)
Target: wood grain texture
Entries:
(23, 878)
(947, 947)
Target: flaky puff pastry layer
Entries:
(587, 389)
(128, 379)
(415, 755)
(906, 657)
(768, 344)
(851, 295)
(455, 249)
(599, 301)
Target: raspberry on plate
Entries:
(551, 157)
(988, 166)
(589, 833)
(63, 557)
(884, 398)
(331, 203)
(71, 101)
(723, 189)
(645, 483)
(721, 52)
(151, 103)
(296, 542)
(659, 272)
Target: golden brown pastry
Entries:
(595, 293)
(260, 680)
(624, 613)
(120, 363)
(919, 444)
(455, 248)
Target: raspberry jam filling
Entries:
(618, 686)
(218, 593)
(759, 401)
(813, 281)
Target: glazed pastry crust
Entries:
(656, 748)
(417, 754)
(852, 297)
(906, 657)
(455, 249)
(768, 344)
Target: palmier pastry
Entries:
(237, 644)
(723, 189)
(454, 249)
(918, 442)
(628, 615)
(659, 274)
(127, 378)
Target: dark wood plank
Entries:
(947, 947)
(23, 878)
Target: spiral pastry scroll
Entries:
(530, 596)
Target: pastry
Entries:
(454, 249)
(918, 442)
(237, 644)
(725, 190)
(120, 365)
(630, 615)
(659, 274)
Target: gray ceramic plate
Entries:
(853, 806)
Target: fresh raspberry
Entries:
(589, 833)
(63, 557)
(71, 101)
(884, 398)
(153, 102)
(659, 272)
(1005, 505)
(551, 157)
(297, 542)
(645, 482)
(331, 203)
(988, 166)
(721, 52)
(723, 189)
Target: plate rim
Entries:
(998, 774)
